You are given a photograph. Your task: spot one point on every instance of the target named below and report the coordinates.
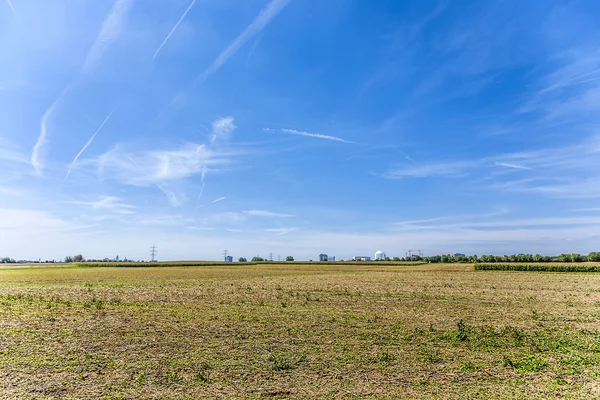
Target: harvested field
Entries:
(298, 331)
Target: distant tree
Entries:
(388, 259)
(7, 260)
(78, 258)
(289, 258)
(68, 259)
(242, 259)
(257, 259)
(594, 256)
(396, 259)
(576, 257)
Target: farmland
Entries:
(298, 331)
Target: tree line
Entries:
(444, 258)
(520, 258)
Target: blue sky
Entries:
(298, 127)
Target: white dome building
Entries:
(379, 255)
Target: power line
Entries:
(153, 252)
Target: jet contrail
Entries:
(14, 12)
(265, 16)
(219, 199)
(110, 31)
(44, 131)
(174, 28)
(89, 142)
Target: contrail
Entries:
(44, 131)
(111, 28)
(202, 182)
(264, 17)
(14, 12)
(89, 142)
(219, 199)
(308, 134)
(174, 28)
(261, 20)
(170, 195)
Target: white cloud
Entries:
(15, 219)
(507, 165)
(568, 171)
(155, 167)
(110, 31)
(10, 152)
(43, 136)
(10, 191)
(308, 134)
(264, 17)
(111, 203)
(263, 213)
(222, 128)
(281, 231)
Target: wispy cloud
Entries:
(88, 143)
(436, 169)
(111, 28)
(504, 223)
(539, 164)
(264, 17)
(111, 203)
(234, 230)
(219, 199)
(10, 191)
(146, 168)
(174, 28)
(14, 12)
(10, 152)
(308, 134)
(507, 165)
(263, 213)
(281, 231)
(222, 128)
(173, 200)
(43, 137)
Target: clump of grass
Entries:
(280, 362)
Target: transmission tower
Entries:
(270, 256)
(153, 252)
(225, 253)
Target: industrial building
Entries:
(323, 257)
(361, 258)
(379, 255)
(228, 259)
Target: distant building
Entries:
(361, 258)
(228, 259)
(323, 257)
(379, 255)
(459, 255)
(117, 258)
(331, 258)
